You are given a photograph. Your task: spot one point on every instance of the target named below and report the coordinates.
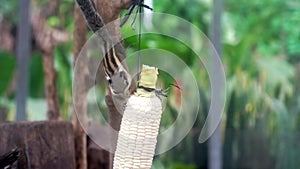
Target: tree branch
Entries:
(46, 40)
(121, 4)
(80, 113)
(53, 112)
(109, 12)
(93, 19)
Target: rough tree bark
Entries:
(46, 145)
(110, 11)
(80, 31)
(53, 112)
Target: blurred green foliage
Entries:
(36, 76)
(6, 11)
(7, 65)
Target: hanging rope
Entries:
(140, 4)
(139, 42)
(132, 6)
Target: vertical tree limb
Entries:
(110, 13)
(53, 112)
(80, 136)
(46, 41)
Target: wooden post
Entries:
(45, 144)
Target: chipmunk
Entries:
(117, 76)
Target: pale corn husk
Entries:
(139, 128)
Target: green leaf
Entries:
(7, 66)
(53, 21)
(36, 79)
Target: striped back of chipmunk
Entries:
(111, 61)
(117, 76)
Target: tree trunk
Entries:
(46, 39)
(215, 142)
(23, 55)
(80, 113)
(110, 11)
(53, 112)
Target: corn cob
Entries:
(139, 128)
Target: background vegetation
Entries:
(261, 55)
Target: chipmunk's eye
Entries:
(114, 92)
